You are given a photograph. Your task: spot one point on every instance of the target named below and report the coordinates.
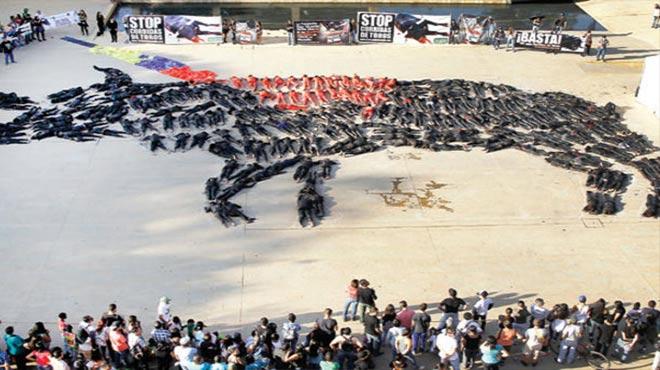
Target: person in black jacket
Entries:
(7, 48)
(100, 23)
(112, 27)
(366, 298)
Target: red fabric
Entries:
(187, 74)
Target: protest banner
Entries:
(61, 20)
(375, 27)
(327, 32)
(548, 41)
(246, 32)
(421, 29)
(188, 29)
(145, 29)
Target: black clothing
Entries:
(597, 312)
(421, 322)
(367, 296)
(371, 325)
(451, 305)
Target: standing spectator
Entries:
(57, 359)
(507, 335)
(492, 354)
(561, 23)
(15, 348)
(649, 320)
(372, 331)
(569, 340)
(328, 327)
(538, 311)
(225, 30)
(289, 32)
(119, 344)
(260, 32)
(353, 30)
(404, 347)
(606, 336)
(628, 340)
(421, 321)
(511, 39)
(470, 343)
(84, 336)
(8, 49)
(232, 28)
(163, 311)
(38, 28)
(466, 323)
(100, 24)
(61, 322)
(603, 43)
(537, 22)
(581, 310)
(291, 331)
(346, 347)
(497, 39)
(112, 315)
(82, 22)
(405, 315)
(112, 27)
(69, 339)
(656, 16)
(350, 307)
(619, 313)
(328, 362)
(453, 32)
(366, 298)
(448, 349)
(101, 339)
(596, 314)
(450, 307)
(137, 348)
(39, 334)
(587, 39)
(480, 309)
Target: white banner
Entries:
(69, 18)
(188, 29)
(421, 29)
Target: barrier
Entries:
(327, 32)
(173, 29)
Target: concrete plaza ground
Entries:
(86, 224)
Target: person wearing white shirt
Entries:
(392, 334)
(480, 309)
(582, 311)
(164, 315)
(56, 361)
(535, 338)
(569, 341)
(538, 311)
(448, 349)
(467, 323)
(656, 16)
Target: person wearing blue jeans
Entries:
(372, 331)
(346, 345)
(602, 48)
(351, 305)
(421, 321)
(8, 49)
(629, 338)
(450, 307)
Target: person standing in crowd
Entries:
(628, 340)
(587, 39)
(84, 337)
(656, 16)
(497, 39)
(8, 49)
(649, 324)
(560, 23)
(350, 307)
(448, 349)
(603, 43)
(492, 354)
(15, 348)
(163, 311)
(112, 27)
(291, 331)
(450, 307)
(225, 30)
(511, 39)
(38, 28)
(366, 298)
(421, 321)
(480, 309)
(353, 30)
(538, 311)
(328, 326)
(453, 32)
(569, 340)
(404, 347)
(82, 22)
(289, 32)
(405, 315)
(260, 32)
(535, 339)
(490, 26)
(607, 330)
(372, 331)
(100, 24)
(232, 28)
(470, 344)
(537, 22)
(521, 316)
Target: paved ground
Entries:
(82, 225)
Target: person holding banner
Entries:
(82, 22)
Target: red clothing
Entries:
(237, 82)
(294, 97)
(264, 95)
(278, 81)
(252, 82)
(405, 317)
(42, 357)
(118, 341)
(352, 292)
(265, 83)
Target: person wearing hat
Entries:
(480, 309)
(569, 341)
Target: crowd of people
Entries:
(464, 335)
(22, 29)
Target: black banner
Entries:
(145, 29)
(375, 27)
(538, 40)
(336, 32)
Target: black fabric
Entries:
(367, 296)
(451, 305)
(371, 325)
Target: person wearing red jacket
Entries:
(266, 83)
(278, 82)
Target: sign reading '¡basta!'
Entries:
(375, 27)
(146, 29)
(540, 40)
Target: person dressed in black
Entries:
(112, 27)
(225, 31)
(289, 32)
(82, 22)
(366, 299)
(450, 307)
(100, 23)
(38, 28)
(8, 49)
(417, 28)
